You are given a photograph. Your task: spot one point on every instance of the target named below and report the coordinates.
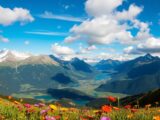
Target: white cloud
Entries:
(109, 25)
(9, 16)
(151, 45)
(46, 33)
(100, 30)
(3, 39)
(129, 14)
(50, 15)
(101, 7)
(61, 50)
(116, 56)
(87, 49)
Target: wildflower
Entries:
(116, 108)
(27, 105)
(16, 102)
(36, 105)
(111, 99)
(130, 116)
(156, 117)
(127, 107)
(105, 118)
(21, 100)
(106, 108)
(57, 117)
(53, 107)
(134, 110)
(49, 118)
(43, 112)
(147, 106)
(9, 97)
(41, 105)
(64, 109)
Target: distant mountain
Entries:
(126, 66)
(136, 76)
(107, 65)
(10, 56)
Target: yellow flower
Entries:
(53, 107)
(21, 100)
(130, 116)
(64, 109)
(16, 102)
(156, 118)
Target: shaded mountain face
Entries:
(107, 64)
(136, 76)
(69, 93)
(61, 78)
(80, 65)
(143, 99)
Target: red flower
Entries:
(127, 107)
(116, 108)
(111, 99)
(134, 110)
(57, 117)
(106, 108)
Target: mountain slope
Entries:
(136, 76)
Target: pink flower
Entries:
(43, 112)
(105, 118)
(49, 118)
(27, 105)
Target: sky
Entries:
(89, 29)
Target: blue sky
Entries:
(79, 28)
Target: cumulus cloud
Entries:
(129, 14)
(3, 39)
(60, 50)
(101, 7)
(100, 30)
(9, 16)
(152, 45)
(87, 49)
(109, 25)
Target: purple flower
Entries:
(105, 118)
(41, 105)
(43, 111)
(49, 118)
(36, 105)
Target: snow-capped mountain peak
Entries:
(9, 55)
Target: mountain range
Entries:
(20, 72)
(135, 76)
(33, 75)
